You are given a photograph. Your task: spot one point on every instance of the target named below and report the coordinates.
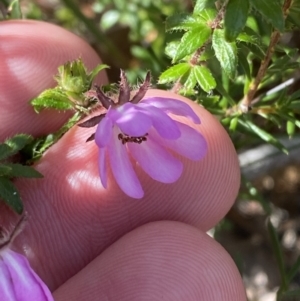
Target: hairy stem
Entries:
(246, 102)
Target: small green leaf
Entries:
(203, 4)
(235, 18)
(233, 123)
(18, 142)
(243, 62)
(5, 151)
(278, 253)
(294, 270)
(96, 70)
(225, 52)
(272, 11)
(10, 195)
(109, 19)
(204, 78)
(191, 81)
(262, 134)
(171, 49)
(18, 170)
(4, 170)
(290, 128)
(52, 98)
(14, 10)
(192, 40)
(181, 21)
(174, 73)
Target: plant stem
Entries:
(246, 102)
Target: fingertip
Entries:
(158, 261)
(31, 52)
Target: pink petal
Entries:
(122, 168)
(164, 124)
(191, 143)
(173, 106)
(156, 161)
(103, 166)
(25, 285)
(103, 132)
(134, 123)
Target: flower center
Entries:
(125, 138)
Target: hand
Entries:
(88, 243)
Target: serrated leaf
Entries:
(18, 142)
(272, 11)
(191, 81)
(19, 170)
(171, 49)
(203, 4)
(204, 78)
(226, 52)
(10, 195)
(52, 98)
(4, 170)
(174, 73)
(96, 70)
(235, 18)
(182, 21)
(208, 15)
(192, 40)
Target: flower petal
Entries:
(103, 132)
(156, 161)
(173, 106)
(164, 124)
(134, 123)
(26, 284)
(122, 168)
(102, 166)
(191, 143)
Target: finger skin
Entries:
(72, 218)
(158, 261)
(30, 53)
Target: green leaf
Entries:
(290, 128)
(18, 142)
(5, 151)
(192, 40)
(225, 52)
(233, 123)
(96, 70)
(19, 170)
(278, 254)
(294, 270)
(204, 78)
(174, 73)
(272, 11)
(191, 81)
(181, 21)
(243, 62)
(203, 4)
(235, 18)
(10, 195)
(14, 10)
(4, 170)
(171, 49)
(262, 134)
(52, 98)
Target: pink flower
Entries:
(18, 282)
(141, 129)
